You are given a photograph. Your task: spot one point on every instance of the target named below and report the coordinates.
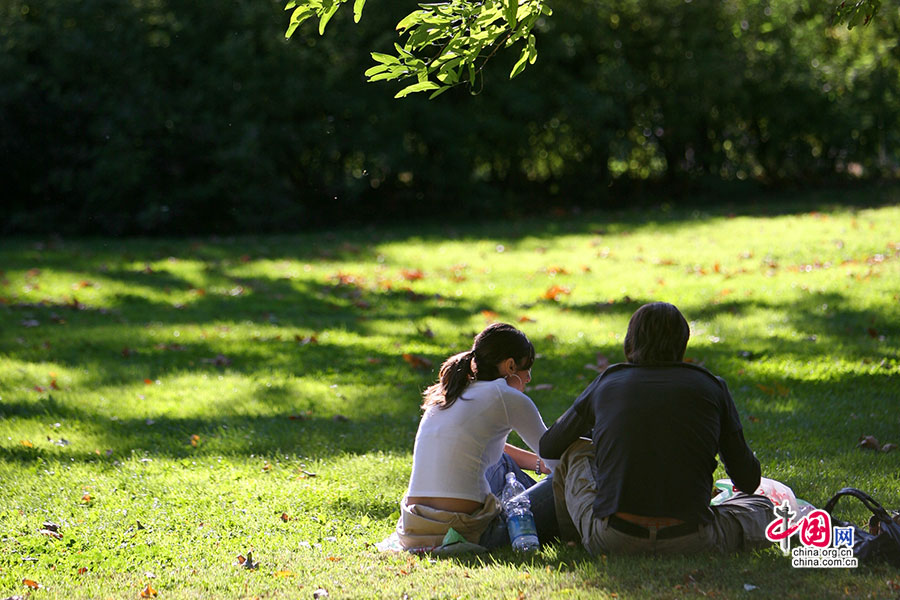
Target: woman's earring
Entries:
(522, 383)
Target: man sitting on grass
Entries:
(656, 424)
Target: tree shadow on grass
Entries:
(225, 435)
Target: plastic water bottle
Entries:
(519, 520)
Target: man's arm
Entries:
(574, 423)
(740, 464)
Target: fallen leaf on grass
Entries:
(220, 360)
(600, 366)
(412, 274)
(893, 585)
(304, 340)
(283, 574)
(301, 416)
(556, 270)
(86, 498)
(555, 291)
(869, 441)
(82, 570)
(247, 563)
(773, 390)
(285, 517)
(173, 347)
(50, 526)
(30, 583)
(320, 593)
(267, 467)
(148, 592)
(27, 444)
(417, 362)
(526, 319)
(489, 315)
(335, 558)
(872, 443)
(195, 440)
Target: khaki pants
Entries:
(421, 526)
(738, 524)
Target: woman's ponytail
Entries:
(455, 375)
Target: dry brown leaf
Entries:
(555, 291)
(412, 274)
(220, 360)
(868, 441)
(489, 315)
(49, 533)
(285, 517)
(27, 444)
(30, 583)
(195, 440)
(82, 570)
(417, 362)
(149, 592)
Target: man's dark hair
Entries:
(657, 332)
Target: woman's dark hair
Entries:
(491, 347)
(657, 332)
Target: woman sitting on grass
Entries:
(461, 457)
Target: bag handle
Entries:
(863, 497)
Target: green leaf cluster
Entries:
(855, 13)
(445, 44)
(323, 9)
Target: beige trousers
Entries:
(421, 526)
(738, 524)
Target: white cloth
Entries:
(455, 446)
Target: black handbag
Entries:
(882, 540)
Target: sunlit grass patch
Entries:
(172, 404)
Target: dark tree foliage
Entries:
(171, 117)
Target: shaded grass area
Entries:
(172, 404)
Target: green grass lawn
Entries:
(173, 404)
